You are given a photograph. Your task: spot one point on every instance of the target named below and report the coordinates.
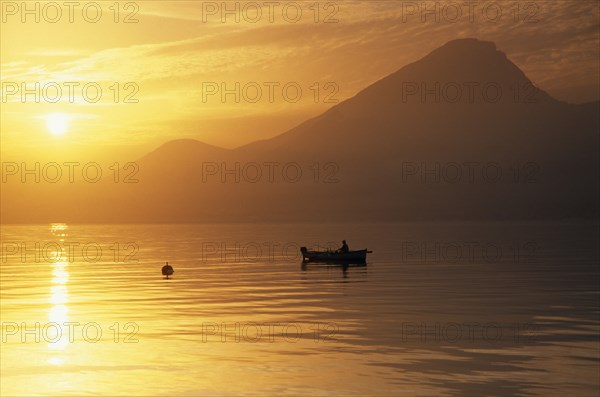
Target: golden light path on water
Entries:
(58, 315)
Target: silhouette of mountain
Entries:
(460, 134)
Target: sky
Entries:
(229, 73)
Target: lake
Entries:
(440, 309)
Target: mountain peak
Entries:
(462, 63)
(188, 145)
(467, 44)
(467, 50)
(185, 148)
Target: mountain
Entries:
(460, 134)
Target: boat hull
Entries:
(359, 256)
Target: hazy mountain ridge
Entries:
(361, 158)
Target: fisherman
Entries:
(344, 249)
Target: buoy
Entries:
(167, 270)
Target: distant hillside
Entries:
(460, 134)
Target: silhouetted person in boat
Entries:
(167, 270)
(344, 249)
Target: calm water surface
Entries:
(452, 309)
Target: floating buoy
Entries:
(167, 270)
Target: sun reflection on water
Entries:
(57, 333)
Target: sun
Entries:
(57, 123)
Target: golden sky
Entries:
(172, 52)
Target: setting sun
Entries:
(57, 123)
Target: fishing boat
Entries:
(359, 256)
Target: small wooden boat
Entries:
(359, 256)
